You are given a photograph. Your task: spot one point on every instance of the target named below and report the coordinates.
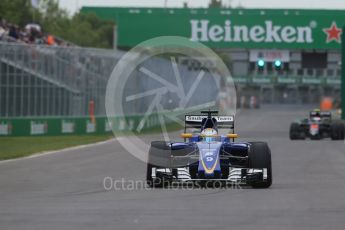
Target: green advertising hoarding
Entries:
(229, 28)
(56, 126)
(45, 126)
(343, 77)
(236, 31)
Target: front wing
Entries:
(236, 175)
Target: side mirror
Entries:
(186, 135)
(232, 135)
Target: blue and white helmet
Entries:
(209, 135)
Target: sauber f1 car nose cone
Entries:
(209, 158)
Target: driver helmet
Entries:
(209, 135)
(316, 118)
(318, 115)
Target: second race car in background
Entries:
(319, 125)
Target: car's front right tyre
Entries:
(259, 157)
(337, 131)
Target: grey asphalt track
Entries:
(65, 190)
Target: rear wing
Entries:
(223, 122)
(322, 114)
(326, 114)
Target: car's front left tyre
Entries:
(296, 132)
(159, 154)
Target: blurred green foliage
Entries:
(215, 4)
(85, 30)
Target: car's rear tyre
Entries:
(295, 132)
(337, 131)
(259, 157)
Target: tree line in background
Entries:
(81, 29)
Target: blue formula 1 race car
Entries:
(206, 156)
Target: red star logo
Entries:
(333, 33)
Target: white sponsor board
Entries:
(287, 80)
(122, 124)
(90, 127)
(4, 129)
(67, 126)
(108, 125)
(261, 80)
(37, 128)
(333, 81)
(311, 81)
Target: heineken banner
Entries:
(238, 29)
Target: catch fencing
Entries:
(52, 81)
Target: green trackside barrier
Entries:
(55, 126)
(343, 76)
(287, 80)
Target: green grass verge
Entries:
(15, 147)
